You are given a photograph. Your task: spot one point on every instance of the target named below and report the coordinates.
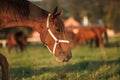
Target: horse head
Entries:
(55, 37)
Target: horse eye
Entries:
(58, 30)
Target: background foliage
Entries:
(106, 10)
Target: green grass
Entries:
(37, 63)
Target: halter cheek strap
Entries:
(57, 41)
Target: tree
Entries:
(113, 14)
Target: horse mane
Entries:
(19, 8)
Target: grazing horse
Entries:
(49, 25)
(17, 40)
(92, 34)
(4, 67)
(85, 34)
(102, 31)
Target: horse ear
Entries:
(55, 10)
(58, 14)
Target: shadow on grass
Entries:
(113, 44)
(26, 72)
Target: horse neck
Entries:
(36, 18)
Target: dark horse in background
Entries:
(18, 40)
(50, 25)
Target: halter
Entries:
(57, 41)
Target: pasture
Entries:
(37, 63)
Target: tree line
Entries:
(105, 10)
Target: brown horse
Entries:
(85, 34)
(4, 67)
(17, 40)
(100, 31)
(92, 34)
(49, 25)
(103, 31)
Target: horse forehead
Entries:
(59, 23)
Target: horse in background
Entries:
(17, 40)
(101, 31)
(84, 35)
(4, 67)
(89, 35)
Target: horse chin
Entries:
(63, 59)
(59, 60)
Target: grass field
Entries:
(36, 63)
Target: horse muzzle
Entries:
(63, 57)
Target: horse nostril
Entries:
(69, 55)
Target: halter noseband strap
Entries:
(57, 41)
